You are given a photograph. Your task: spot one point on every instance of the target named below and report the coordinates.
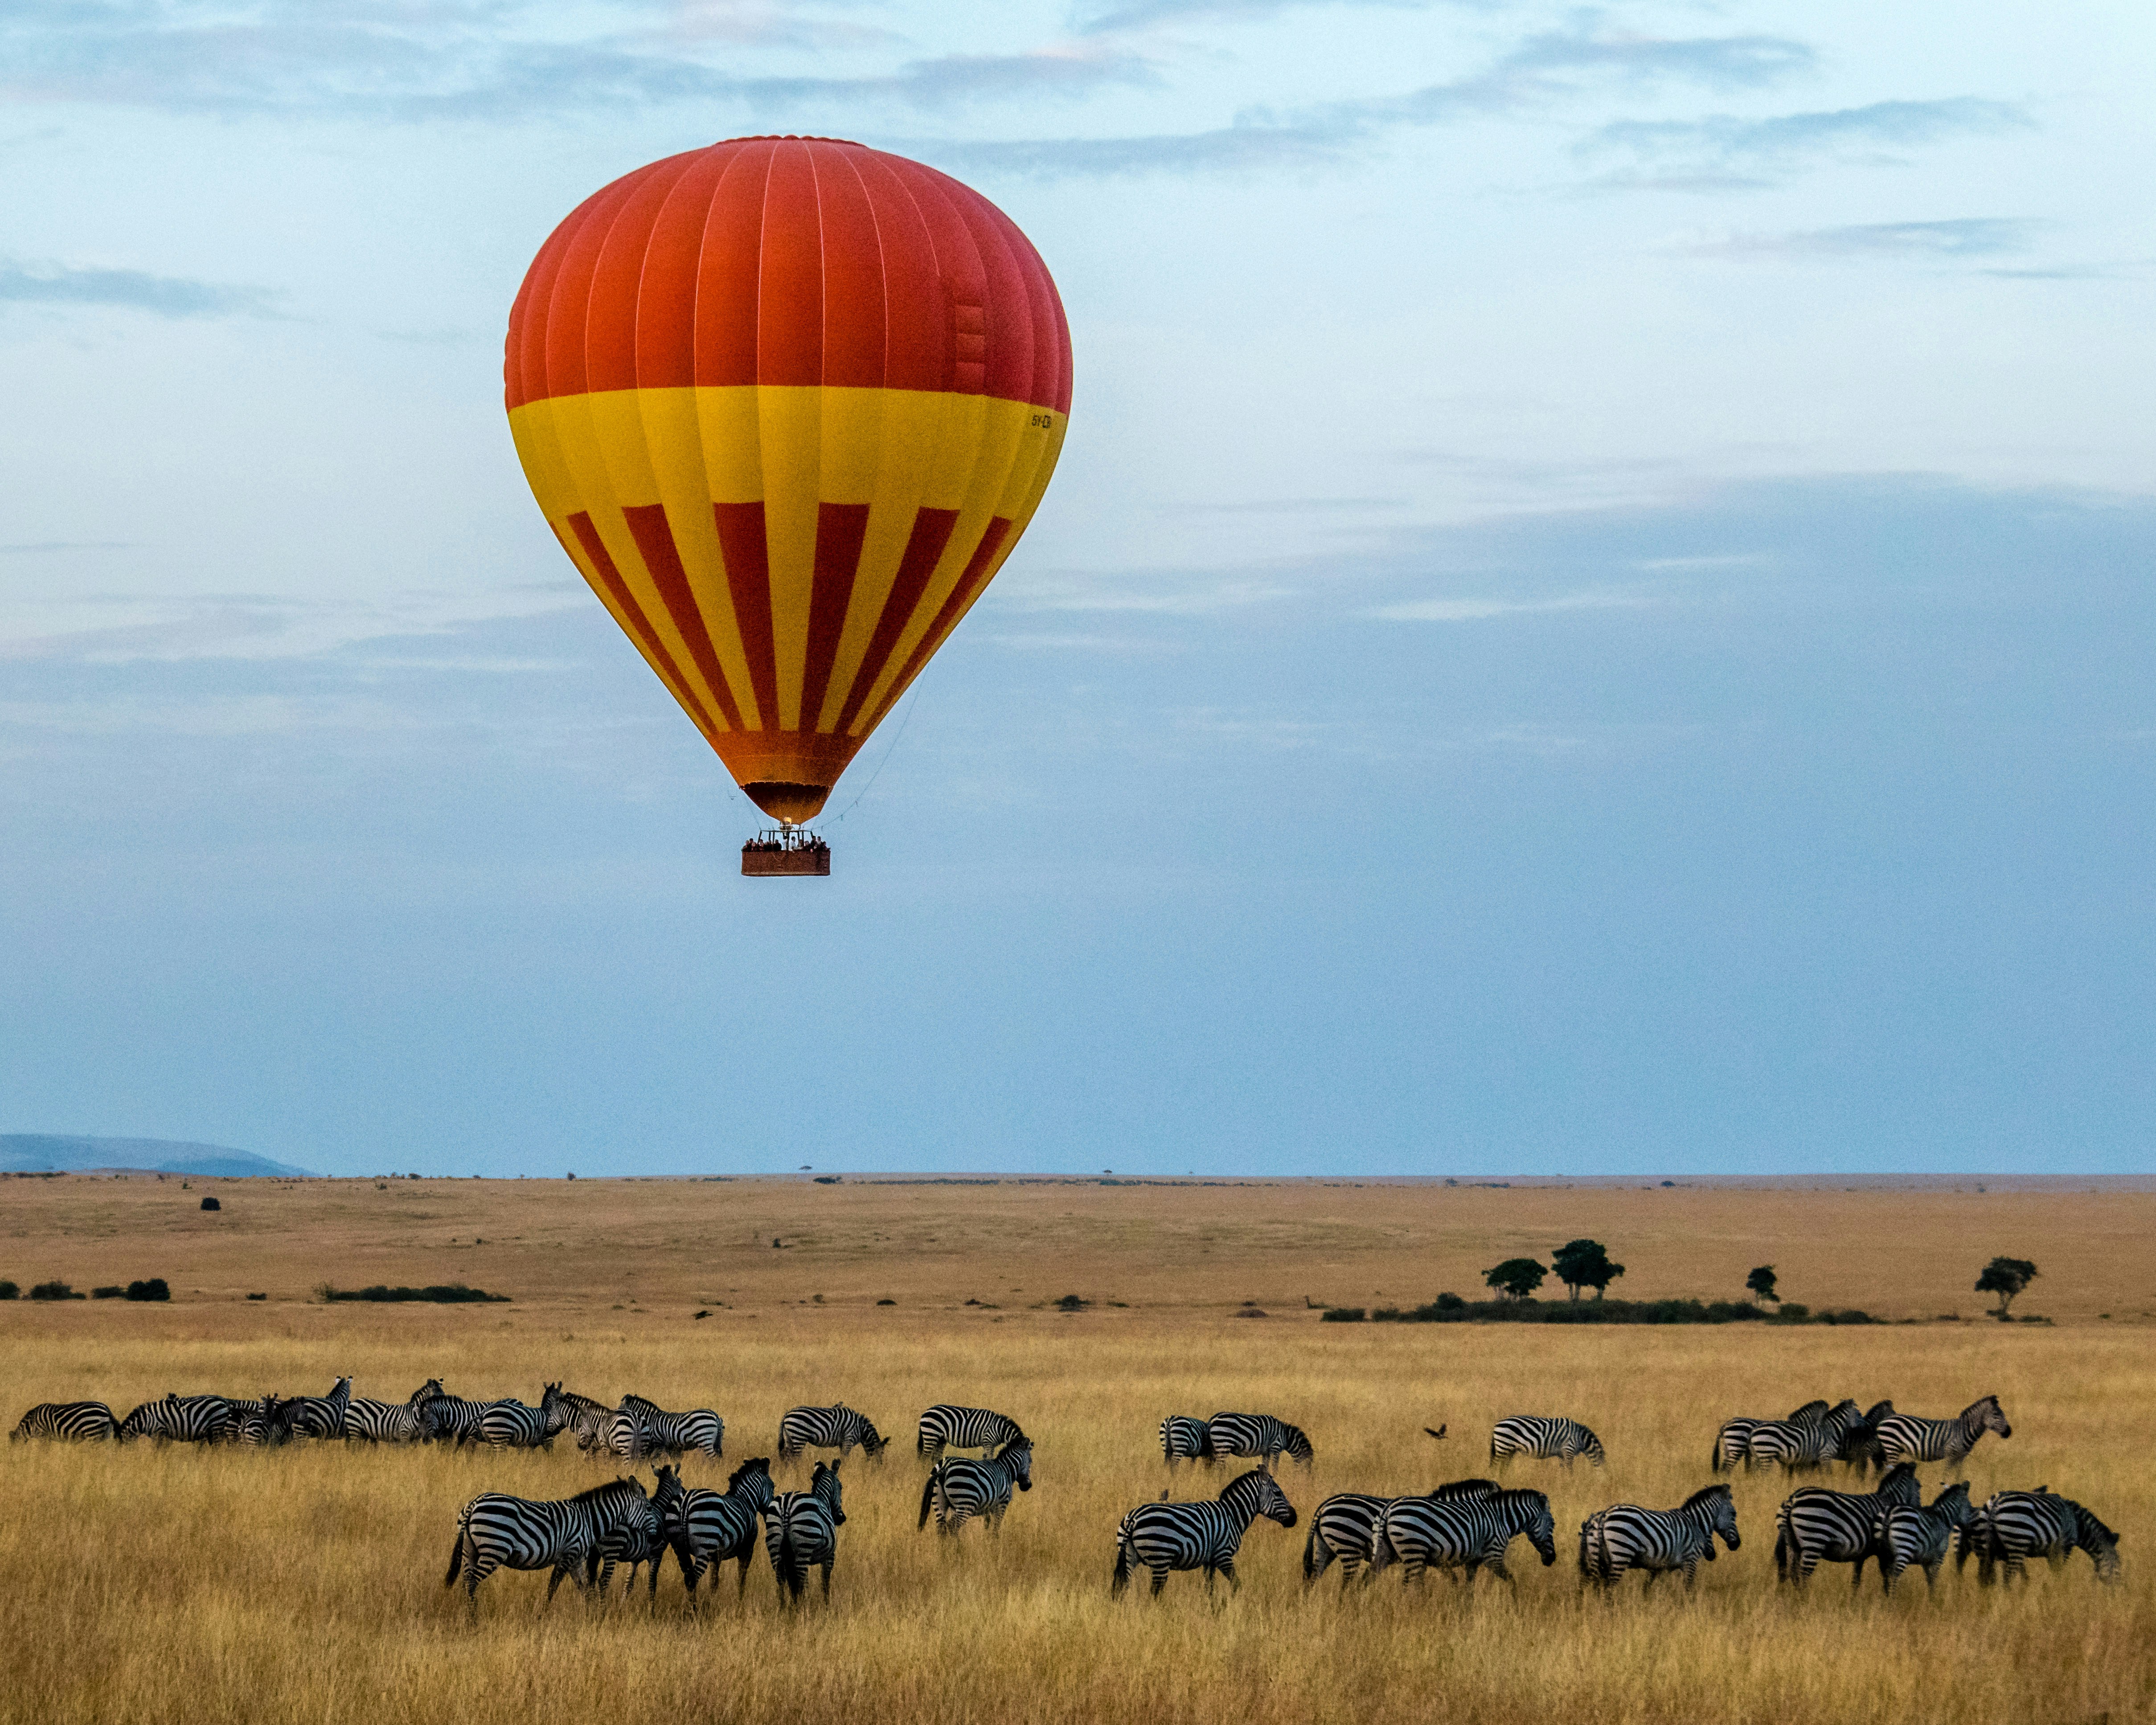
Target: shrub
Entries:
(251, 1297)
(1341, 1315)
(155, 1289)
(211, 1203)
(1795, 1310)
(1071, 1302)
(1451, 1302)
(53, 1291)
(455, 1294)
(114, 1292)
(8, 1290)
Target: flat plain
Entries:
(148, 1585)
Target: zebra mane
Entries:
(613, 1486)
(1810, 1410)
(1465, 1488)
(2085, 1523)
(1878, 1411)
(762, 1464)
(1895, 1475)
(1704, 1494)
(1525, 1495)
(1981, 1402)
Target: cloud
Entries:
(1964, 237)
(1140, 14)
(1477, 610)
(1724, 151)
(166, 296)
(1542, 71)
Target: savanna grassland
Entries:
(305, 1583)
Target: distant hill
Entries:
(39, 1153)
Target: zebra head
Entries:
(874, 1443)
(136, 1423)
(1714, 1507)
(753, 1480)
(1528, 1511)
(2098, 1541)
(553, 1411)
(1260, 1493)
(426, 1392)
(1298, 1447)
(1900, 1484)
(1952, 1503)
(666, 1499)
(1017, 1455)
(1992, 1416)
(824, 1484)
(1590, 1447)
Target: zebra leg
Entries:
(828, 1561)
(1159, 1579)
(1856, 1571)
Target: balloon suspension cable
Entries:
(906, 718)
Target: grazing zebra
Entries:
(1626, 1537)
(1732, 1444)
(1815, 1526)
(177, 1419)
(1905, 1534)
(1161, 1537)
(1529, 1434)
(707, 1527)
(837, 1427)
(801, 1531)
(495, 1531)
(72, 1422)
(1346, 1527)
(319, 1416)
(1259, 1436)
(698, 1431)
(509, 1424)
(1464, 1523)
(381, 1422)
(1181, 1437)
(2013, 1527)
(944, 1427)
(1905, 1437)
(1807, 1441)
(959, 1487)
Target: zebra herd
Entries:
(1464, 1526)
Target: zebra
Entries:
(944, 1427)
(698, 1431)
(612, 1431)
(72, 1422)
(1204, 1535)
(960, 1487)
(453, 1417)
(259, 1423)
(381, 1422)
(2013, 1527)
(837, 1427)
(1905, 1437)
(1184, 1437)
(1345, 1527)
(636, 1539)
(1902, 1534)
(1859, 1443)
(1626, 1537)
(1457, 1525)
(1806, 1442)
(177, 1419)
(1543, 1437)
(801, 1531)
(509, 1424)
(495, 1531)
(706, 1528)
(319, 1416)
(1732, 1444)
(1815, 1526)
(1259, 1436)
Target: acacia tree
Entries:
(1516, 1277)
(2005, 1277)
(1761, 1284)
(1584, 1264)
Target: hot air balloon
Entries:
(787, 403)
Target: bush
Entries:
(115, 1291)
(53, 1291)
(211, 1203)
(455, 1294)
(1451, 1302)
(1341, 1315)
(155, 1289)
(1450, 1308)
(1795, 1311)
(258, 1296)
(8, 1290)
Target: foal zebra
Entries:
(960, 1488)
(706, 1528)
(1345, 1528)
(1905, 1437)
(2013, 1527)
(177, 1419)
(495, 1531)
(1456, 1525)
(1626, 1537)
(1184, 1437)
(1161, 1537)
(72, 1422)
(319, 1416)
(1815, 1526)
(1905, 1534)
(697, 1431)
(837, 1427)
(944, 1427)
(1257, 1435)
(801, 1531)
(1544, 1438)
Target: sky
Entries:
(1594, 619)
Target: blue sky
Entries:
(1594, 616)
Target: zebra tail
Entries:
(456, 1556)
(1714, 1461)
(793, 1572)
(1123, 1565)
(927, 1497)
(1602, 1536)
(1310, 1553)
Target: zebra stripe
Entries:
(177, 1419)
(259, 1423)
(1258, 1436)
(1905, 1437)
(1815, 1526)
(959, 1487)
(1859, 1443)
(319, 1416)
(1460, 1525)
(495, 1531)
(944, 1427)
(1343, 1527)
(837, 1427)
(801, 1531)
(509, 1424)
(1161, 1537)
(1803, 1440)
(1185, 1438)
(1626, 1537)
(1732, 1443)
(381, 1422)
(618, 1432)
(696, 1431)
(634, 1539)
(706, 1528)
(2013, 1527)
(1903, 1534)
(70, 1422)
(1545, 1437)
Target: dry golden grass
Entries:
(148, 1585)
